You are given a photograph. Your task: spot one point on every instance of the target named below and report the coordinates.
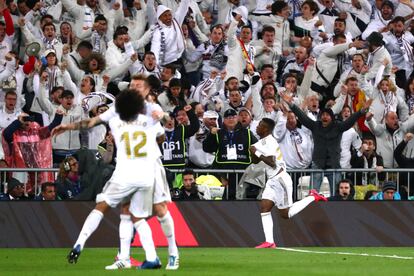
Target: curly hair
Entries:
(129, 104)
(96, 56)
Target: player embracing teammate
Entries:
(139, 152)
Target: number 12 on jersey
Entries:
(138, 136)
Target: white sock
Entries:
(300, 205)
(267, 222)
(89, 226)
(126, 231)
(145, 236)
(167, 225)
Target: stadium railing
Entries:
(302, 179)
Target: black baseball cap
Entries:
(230, 112)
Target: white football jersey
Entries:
(268, 146)
(149, 108)
(136, 150)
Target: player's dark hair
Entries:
(129, 104)
(270, 124)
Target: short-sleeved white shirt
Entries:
(136, 150)
(149, 108)
(268, 146)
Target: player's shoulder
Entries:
(150, 106)
(109, 114)
(268, 140)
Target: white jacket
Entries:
(378, 107)
(281, 26)
(327, 64)
(236, 62)
(170, 37)
(272, 56)
(79, 12)
(57, 45)
(115, 58)
(364, 14)
(387, 142)
(69, 140)
(375, 61)
(290, 150)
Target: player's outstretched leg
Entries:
(267, 223)
(90, 225)
(298, 206)
(167, 226)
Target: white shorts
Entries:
(161, 188)
(279, 190)
(140, 197)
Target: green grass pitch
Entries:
(214, 261)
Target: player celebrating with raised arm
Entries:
(278, 190)
(135, 139)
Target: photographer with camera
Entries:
(28, 145)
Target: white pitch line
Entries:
(346, 253)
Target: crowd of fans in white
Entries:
(232, 61)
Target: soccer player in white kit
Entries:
(162, 196)
(278, 189)
(135, 137)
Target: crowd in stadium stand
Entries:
(216, 67)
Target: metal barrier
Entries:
(353, 174)
(4, 171)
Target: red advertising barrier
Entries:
(183, 234)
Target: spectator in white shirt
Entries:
(350, 139)
(295, 142)
(168, 43)
(10, 111)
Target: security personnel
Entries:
(231, 147)
(177, 129)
